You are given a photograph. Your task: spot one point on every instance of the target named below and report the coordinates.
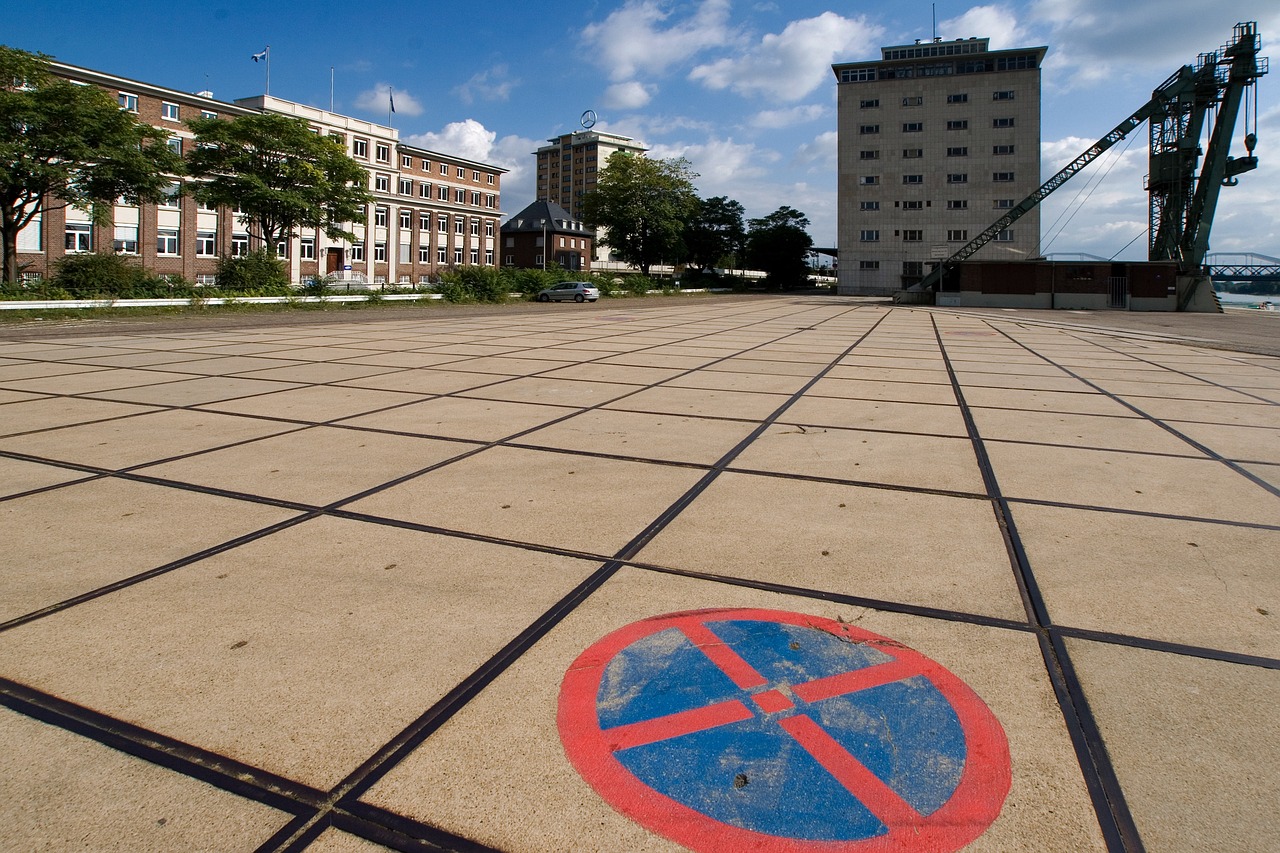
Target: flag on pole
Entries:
(262, 55)
(392, 96)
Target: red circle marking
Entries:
(972, 807)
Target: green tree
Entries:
(642, 205)
(778, 244)
(63, 145)
(279, 174)
(716, 232)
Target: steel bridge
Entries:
(1243, 266)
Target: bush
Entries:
(637, 285)
(103, 275)
(257, 273)
(31, 290)
(473, 284)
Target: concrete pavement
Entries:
(325, 586)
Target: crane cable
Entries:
(1087, 190)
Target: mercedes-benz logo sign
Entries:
(588, 119)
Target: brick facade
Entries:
(430, 211)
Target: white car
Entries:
(578, 291)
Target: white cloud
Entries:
(468, 138)
(720, 163)
(628, 96)
(493, 84)
(822, 154)
(999, 23)
(378, 99)
(633, 39)
(787, 66)
(773, 119)
(1098, 43)
(472, 140)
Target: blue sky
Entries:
(742, 89)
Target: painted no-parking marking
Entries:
(775, 731)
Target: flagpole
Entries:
(391, 104)
(268, 69)
(330, 88)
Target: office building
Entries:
(430, 210)
(569, 165)
(936, 141)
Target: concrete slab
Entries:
(64, 792)
(291, 634)
(1201, 488)
(699, 441)
(17, 476)
(1194, 744)
(1114, 432)
(922, 418)
(114, 444)
(27, 416)
(845, 539)
(193, 392)
(53, 550)
(701, 401)
(914, 461)
(457, 417)
(314, 403)
(1208, 585)
(556, 499)
(285, 466)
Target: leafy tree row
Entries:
(62, 145)
(649, 211)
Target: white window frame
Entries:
(307, 248)
(169, 111)
(82, 241)
(206, 244)
(128, 102)
(168, 242)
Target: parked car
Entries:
(578, 291)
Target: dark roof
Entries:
(557, 220)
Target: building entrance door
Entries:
(333, 260)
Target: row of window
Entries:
(917, 153)
(955, 98)
(382, 184)
(952, 178)
(382, 215)
(168, 111)
(871, 73)
(952, 204)
(916, 235)
(79, 239)
(918, 126)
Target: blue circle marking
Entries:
(780, 732)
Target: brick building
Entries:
(544, 233)
(936, 141)
(430, 210)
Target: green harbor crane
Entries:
(1182, 202)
